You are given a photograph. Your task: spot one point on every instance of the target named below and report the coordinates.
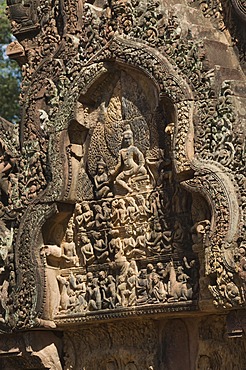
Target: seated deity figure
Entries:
(68, 251)
(119, 212)
(101, 181)
(129, 246)
(130, 163)
(100, 248)
(85, 220)
(86, 251)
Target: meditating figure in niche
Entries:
(68, 251)
(130, 163)
(101, 181)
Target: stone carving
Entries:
(128, 222)
(130, 163)
(23, 15)
(125, 286)
(106, 334)
(101, 181)
(240, 7)
(68, 251)
(126, 81)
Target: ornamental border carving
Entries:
(240, 8)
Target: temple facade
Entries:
(122, 238)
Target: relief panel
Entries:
(128, 241)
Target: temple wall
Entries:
(122, 239)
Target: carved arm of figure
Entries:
(100, 246)
(141, 161)
(157, 239)
(186, 263)
(113, 173)
(101, 181)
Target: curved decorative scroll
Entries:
(212, 181)
(240, 8)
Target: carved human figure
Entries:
(143, 210)
(132, 209)
(131, 286)
(79, 285)
(116, 249)
(93, 295)
(154, 240)
(154, 205)
(150, 273)
(178, 236)
(242, 267)
(158, 292)
(100, 248)
(99, 217)
(129, 246)
(86, 219)
(142, 287)
(106, 213)
(181, 276)
(130, 162)
(163, 273)
(111, 291)
(81, 304)
(103, 286)
(86, 251)
(68, 251)
(122, 293)
(165, 174)
(141, 240)
(119, 212)
(198, 233)
(78, 217)
(101, 181)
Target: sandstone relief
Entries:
(129, 241)
(124, 184)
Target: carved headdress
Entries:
(101, 162)
(127, 130)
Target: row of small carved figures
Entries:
(119, 211)
(129, 287)
(98, 248)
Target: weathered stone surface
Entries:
(123, 188)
